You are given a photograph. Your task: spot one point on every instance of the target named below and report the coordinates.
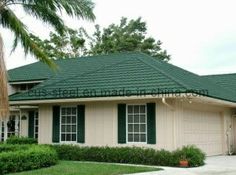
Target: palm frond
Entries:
(46, 15)
(76, 8)
(10, 21)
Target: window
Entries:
(36, 125)
(13, 126)
(26, 87)
(136, 123)
(68, 124)
(23, 87)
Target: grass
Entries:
(87, 168)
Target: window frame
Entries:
(76, 124)
(127, 132)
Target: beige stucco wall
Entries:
(101, 125)
(101, 122)
(45, 124)
(24, 124)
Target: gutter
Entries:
(121, 98)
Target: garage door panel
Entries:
(203, 129)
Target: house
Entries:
(122, 99)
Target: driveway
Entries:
(216, 165)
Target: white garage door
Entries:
(203, 129)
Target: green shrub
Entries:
(194, 155)
(8, 147)
(132, 155)
(164, 158)
(33, 157)
(21, 140)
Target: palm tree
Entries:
(44, 10)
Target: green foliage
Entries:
(21, 140)
(194, 155)
(47, 12)
(26, 157)
(132, 155)
(70, 44)
(8, 147)
(127, 36)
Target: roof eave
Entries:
(195, 97)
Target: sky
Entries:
(200, 35)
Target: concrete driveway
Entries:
(216, 165)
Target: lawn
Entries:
(87, 168)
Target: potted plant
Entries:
(183, 162)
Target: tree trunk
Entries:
(4, 105)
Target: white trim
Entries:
(20, 129)
(94, 99)
(73, 100)
(127, 132)
(5, 130)
(76, 124)
(36, 112)
(18, 108)
(25, 82)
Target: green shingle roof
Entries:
(227, 81)
(130, 72)
(35, 71)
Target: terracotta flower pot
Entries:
(183, 163)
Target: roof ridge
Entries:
(171, 77)
(90, 72)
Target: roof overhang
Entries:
(190, 97)
(214, 101)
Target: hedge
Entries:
(29, 158)
(131, 155)
(7, 147)
(21, 140)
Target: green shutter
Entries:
(56, 124)
(151, 123)
(81, 124)
(121, 123)
(31, 124)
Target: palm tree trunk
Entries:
(4, 105)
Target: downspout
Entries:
(228, 134)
